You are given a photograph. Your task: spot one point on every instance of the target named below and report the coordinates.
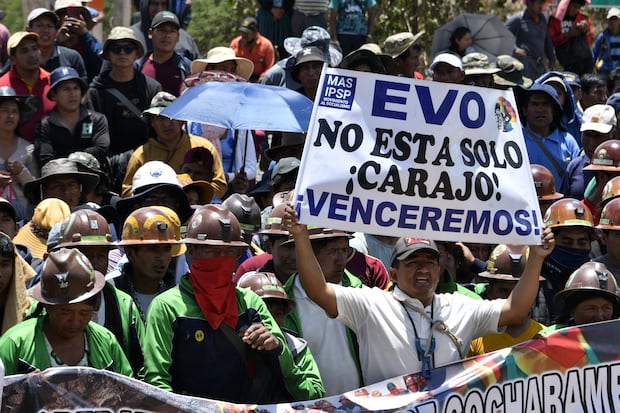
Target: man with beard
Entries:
(572, 224)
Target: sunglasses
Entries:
(117, 48)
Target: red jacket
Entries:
(40, 89)
(555, 29)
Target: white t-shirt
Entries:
(386, 336)
(327, 339)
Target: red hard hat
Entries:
(544, 183)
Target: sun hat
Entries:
(59, 167)
(28, 104)
(478, 64)
(122, 33)
(63, 73)
(220, 54)
(46, 214)
(87, 162)
(363, 55)
(398, 43)
(318, 37)
(151, 176)
(159, 102)
(204, 188)
(511, 72)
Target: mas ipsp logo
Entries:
(338, 92)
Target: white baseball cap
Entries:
(598, 118)
(449, 58)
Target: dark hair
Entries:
(7, 249)
(579, 3)
(458, 34)
(591, 80)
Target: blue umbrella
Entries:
(237, 105)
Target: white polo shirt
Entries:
(386, 336)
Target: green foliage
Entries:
(215, 22)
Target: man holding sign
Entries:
(424, 329)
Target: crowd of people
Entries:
(169, 251)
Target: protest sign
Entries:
(576, 369)
(402, 157)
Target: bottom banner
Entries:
(574, 369)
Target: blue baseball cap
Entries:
(63, 73)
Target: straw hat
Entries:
(34, 234)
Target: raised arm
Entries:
(520, 300)
(310, 273)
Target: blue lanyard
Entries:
(425, 356)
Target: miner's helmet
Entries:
(246, 210)
(67, 277)
(544, 183)
(274, 226)
(611, 189)
(592, 279)
(568, 212)
(610, 216)
(85, 227)
(153, 225)
(606, 157)
(264, 284)
(214, 225)
(506, 263)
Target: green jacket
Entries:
(447, 285)
(202, 358)
(292, 321)
(22, 349)
(131, 325)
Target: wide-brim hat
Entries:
(523, 94)
(119, 33)
(511, 72)
(125, 206)
(62, 74)
(478, 64)
(315, 36)
(490, 275)
(28, 105)
(86, 162)
(204, 188)
(287, 140)
(398, 43)
(319, 233)
(47, 213)
(364, 56)
(55, 168)
(244, 68)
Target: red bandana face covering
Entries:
(211, 279)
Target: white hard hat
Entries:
(153, 173)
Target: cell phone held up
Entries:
(74, 12)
